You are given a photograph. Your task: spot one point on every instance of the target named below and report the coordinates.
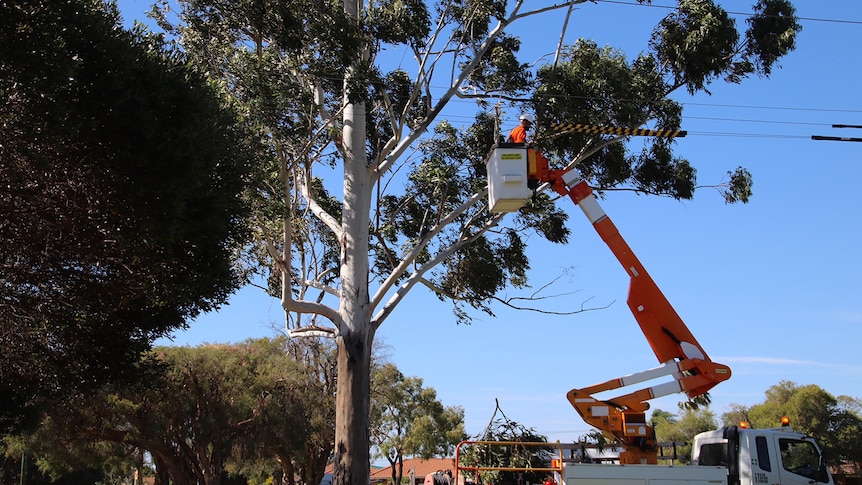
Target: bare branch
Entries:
(333, 224)
(288, 303)
(509, 302)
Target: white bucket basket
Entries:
(507, 178)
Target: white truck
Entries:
(734, 455)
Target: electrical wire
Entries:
(741, 14)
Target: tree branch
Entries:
(421, 244)
(509, 302)
(414, 278)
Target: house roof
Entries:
(420, 467)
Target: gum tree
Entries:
(122, 173)
(407, 419)
(372, 192)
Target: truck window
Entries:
(800, 457)
(713, 454)
(763, 453)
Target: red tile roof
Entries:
(420, 467)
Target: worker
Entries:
(519, 133)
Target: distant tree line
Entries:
(835, 422)
(262, 410)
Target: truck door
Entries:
(799, 462)
(761, 466)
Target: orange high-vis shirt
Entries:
(517, 135)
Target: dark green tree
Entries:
(834, 423)
(500, 446)
(411, 186)
(736, 414)
(683, 428)
(122, 171)
(293, 442)
(239, 407)
(408, 420)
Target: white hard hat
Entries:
(528, 117)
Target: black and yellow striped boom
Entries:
(615, 130)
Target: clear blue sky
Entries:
(771, 288)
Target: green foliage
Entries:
(682, 429)
(597, 86)
(451, 171)
(546, 217)
(739, 188)
(771, 34)
(291, 83)
(499, 70)
(507, 454)
(399, 21)
(697, 402)
(696, 43)
(472, 18)
(656, 172)
(700, 42)
(736, 414)
(408, 420)
(251, 408)
(692, 47)
(834, 422)
(411, 210)
(484, 268)
(121, 211)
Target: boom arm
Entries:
(677, 350)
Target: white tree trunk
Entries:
(356, 336)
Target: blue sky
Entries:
(771, 288)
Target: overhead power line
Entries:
(743, 14)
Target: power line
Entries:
(693, 103)
(747, 135)
(743, 14)
(785, 108)
(742, 120)
(720, 133)
(615, 130)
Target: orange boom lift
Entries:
(680, 354)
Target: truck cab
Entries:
(768, 456)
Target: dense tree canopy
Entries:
(682, 429)
(835, 423)
(508, 453)
(122, 170)
(251, 408)
(407, 419)
(262, 410)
